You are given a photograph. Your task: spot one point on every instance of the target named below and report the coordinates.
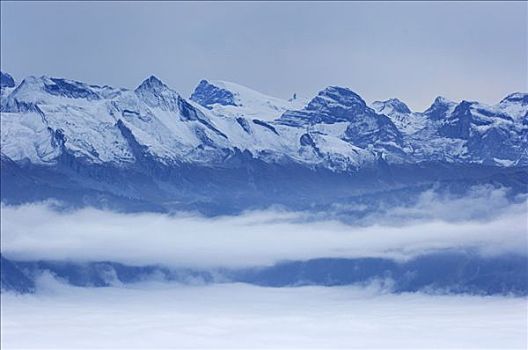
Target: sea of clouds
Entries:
(242, 316)
(159, 314)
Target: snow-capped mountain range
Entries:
(228, 149)
(44, 118)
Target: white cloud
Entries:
(261, 238)
(243, 316)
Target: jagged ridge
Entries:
(335, 130)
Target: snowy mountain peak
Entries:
(30, 86)
(335, 96)
(156, 94)
(70, 89)
(152, 83)
(517, 97)
(440, 108)
(331, 105)
(48, 90)
(207, 94)
(6, 80)
(441, 99)
(465, 104)
(38, 89)
(392, 105)
(515, 105)
(233, 100)
(355, 122)
(33, 90)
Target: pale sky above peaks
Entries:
(410, 50)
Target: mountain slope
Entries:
(150, 146)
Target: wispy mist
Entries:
(485, 222)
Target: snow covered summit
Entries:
(234, 100)
(6, 80)
(45, 119)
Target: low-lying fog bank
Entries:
(475, 243)
(242, 316)
(485, 222)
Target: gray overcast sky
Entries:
(410, 50)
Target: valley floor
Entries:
(161, 315)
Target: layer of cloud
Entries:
(480, 203)
(263, 238)
(242, 316)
